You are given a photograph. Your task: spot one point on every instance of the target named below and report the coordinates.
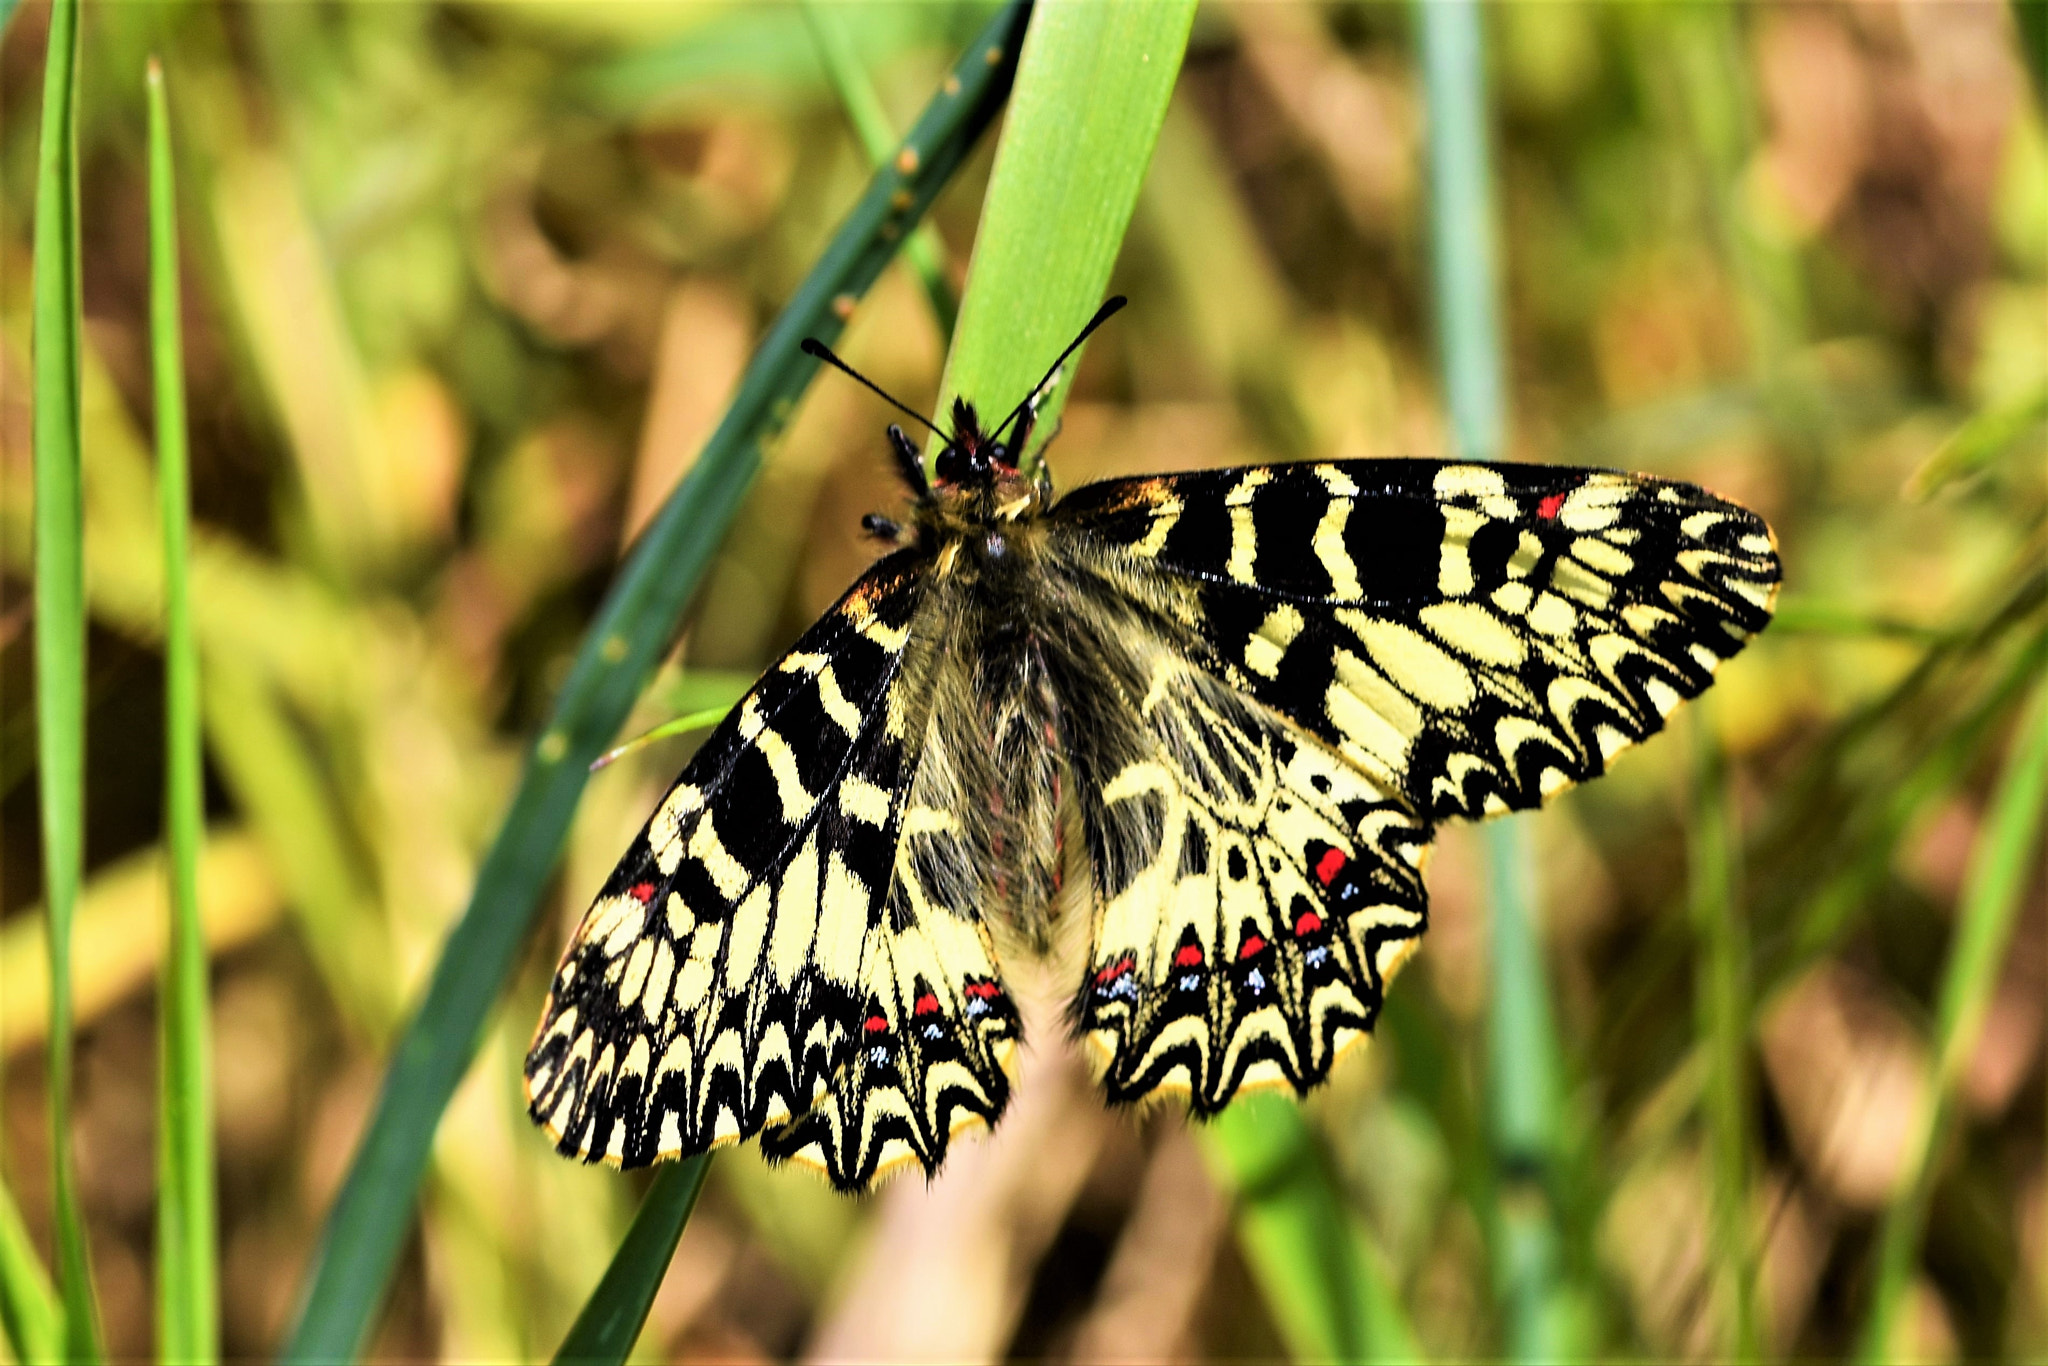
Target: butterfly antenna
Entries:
(1102, 315)
(813, 347)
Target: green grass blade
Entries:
(1091, 93)
(2000, 866)
(1982, 441)
(60, 624)
(633, 627)
(611, 1319)
(1321, 1280)
(29, 1312)
(924, 253)
(1522, 1050)
(1723, 1006)
(187, 1312)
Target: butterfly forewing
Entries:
(1477, 637)
(730, 976)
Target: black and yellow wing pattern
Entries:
(1335, 658)
(763, 960)
(1253, 694)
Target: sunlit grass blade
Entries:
(60, 625)
(368, 1223)
(1722, 1006)
(924, 253)
(29, 1312)
(2001, 864)
(187, 1312)
(612, 1317)
(1522, 1050)
(1091, 95)
(1321, 1280)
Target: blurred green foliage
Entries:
(468, 287)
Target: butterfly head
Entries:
(972, 459)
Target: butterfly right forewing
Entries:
(1478, 636)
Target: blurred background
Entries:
(467, 285)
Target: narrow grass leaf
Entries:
(925, 252)
(187, 1313)
(612, 1317)
(60, 625)
(682, 725)
(1723, 1006)
(1981, 441)
(29, 1311)
(635, 624)
(2001, 864)
(1522, 1050)
(1320, 1277)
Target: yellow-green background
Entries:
(466, 285)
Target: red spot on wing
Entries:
(988, 991)
(643, 892)
(927, 1004)
(876, 1025)
(1329, 865)
(1309, 923)
(1250, 946)
(1190, 955)
(1547, 509)
(1115, 970)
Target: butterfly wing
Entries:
(763, 940)
(1253, 892)
(1285, 677)
(1476, 636)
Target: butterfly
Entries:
(1225, 711)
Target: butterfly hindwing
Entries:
(723, 982)
(1252, 891)
(1476, 636)
(937, 1030)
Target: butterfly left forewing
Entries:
(723, 983)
